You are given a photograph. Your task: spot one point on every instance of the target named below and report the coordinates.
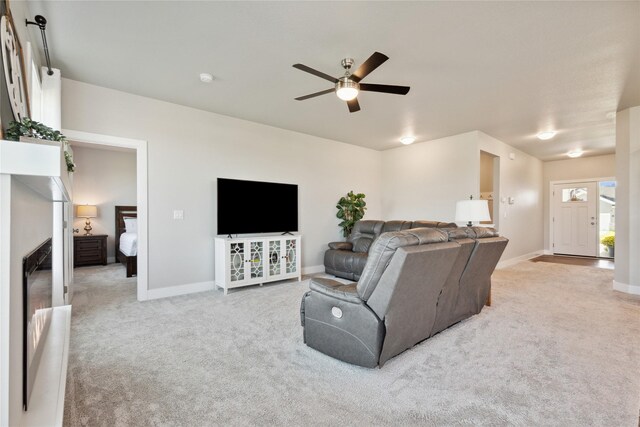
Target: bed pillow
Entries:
(131, 225)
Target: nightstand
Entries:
(90, 250)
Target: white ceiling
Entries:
(510, 69)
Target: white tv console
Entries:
(251, 260)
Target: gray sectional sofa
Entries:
(415, 283)
(347, 259)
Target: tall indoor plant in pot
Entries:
(350, 210)
(29, 130)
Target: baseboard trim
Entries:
(172, 291)
(628, 289)
(547, 252)
(313, 269)
(513, 261)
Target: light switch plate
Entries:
(178, 214)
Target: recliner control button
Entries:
(336, 312)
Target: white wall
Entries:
(520, 178)
(188, 149)
(31, 224)
(105, 178)
(424, 181)
(570, 169)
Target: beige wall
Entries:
(188, 149)
(425, 180)
(104, 178)
(573, 169)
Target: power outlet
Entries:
(178, 214)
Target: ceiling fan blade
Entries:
(374, 61)
(397, 90)
(313, 95)
(315, 72)
(353, 105)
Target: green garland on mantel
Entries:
(32, 129)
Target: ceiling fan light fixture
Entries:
(347, 89)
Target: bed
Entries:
(127, 238)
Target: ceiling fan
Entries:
(348, 86)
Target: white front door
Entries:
(575, 222)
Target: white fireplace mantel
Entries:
(40, 166)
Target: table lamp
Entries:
(472, 211)
(87, 211)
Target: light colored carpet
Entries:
(558, 347)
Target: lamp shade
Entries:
(86, 211)
(472, 211)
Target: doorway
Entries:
(489, 184)
(140, 147)
(583, 215)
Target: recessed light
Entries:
(206, 78)
(575, 153)
(611, 115)
(406, 140)
(546, 135)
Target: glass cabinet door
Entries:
(291, 261)
(275, 256)
(237, 271)
(256, 260)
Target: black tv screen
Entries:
(246, 207)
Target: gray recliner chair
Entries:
(415, 283)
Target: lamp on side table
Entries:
(472, 211)
(87, 212)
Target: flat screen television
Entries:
(246, 207)
(37, 292)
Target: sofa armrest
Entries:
(335, 289)
(344, 246)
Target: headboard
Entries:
(123, 212)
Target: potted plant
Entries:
(609, 241)
(29, 130)
(350, 210)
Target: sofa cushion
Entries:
(346, 264)
(345, 292)
(447, 225)
(459, 233)
(483, 232)
(364, 233)
(396, 226)
(343, 246)
(384, 248)
(362, 244)
(424, 224)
